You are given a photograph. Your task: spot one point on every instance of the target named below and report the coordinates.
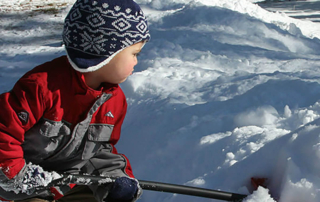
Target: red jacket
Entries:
(53, 119)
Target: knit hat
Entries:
(96, 30)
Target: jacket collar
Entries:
(85, 89)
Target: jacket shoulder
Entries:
(52, 75)
(58, 67)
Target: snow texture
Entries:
(261, 195)
(224, 91)
(34, 178)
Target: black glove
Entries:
(124, 189)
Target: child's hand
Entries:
(125, 189)
(30, 178)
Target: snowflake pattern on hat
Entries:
(94, 31)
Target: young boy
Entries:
(65, 116)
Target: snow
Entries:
(223, 92)
(261, 195)
(306, 10)
(34, 177)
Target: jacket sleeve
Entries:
(127, 169)
(108, 162)
(20, 109)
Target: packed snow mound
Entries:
(33, 5)
(260, 195)
(294, 26)
(229, 83)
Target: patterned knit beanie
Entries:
(96, 30)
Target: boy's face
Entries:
(121, 66)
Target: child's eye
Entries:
(136, 54)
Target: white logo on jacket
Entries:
(109, 114)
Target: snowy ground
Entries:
(301, 9)
(224, 91)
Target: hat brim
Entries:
(83, 62)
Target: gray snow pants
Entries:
(77, 194)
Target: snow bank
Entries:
(228, 83)
(261, 195)
(33, 5)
